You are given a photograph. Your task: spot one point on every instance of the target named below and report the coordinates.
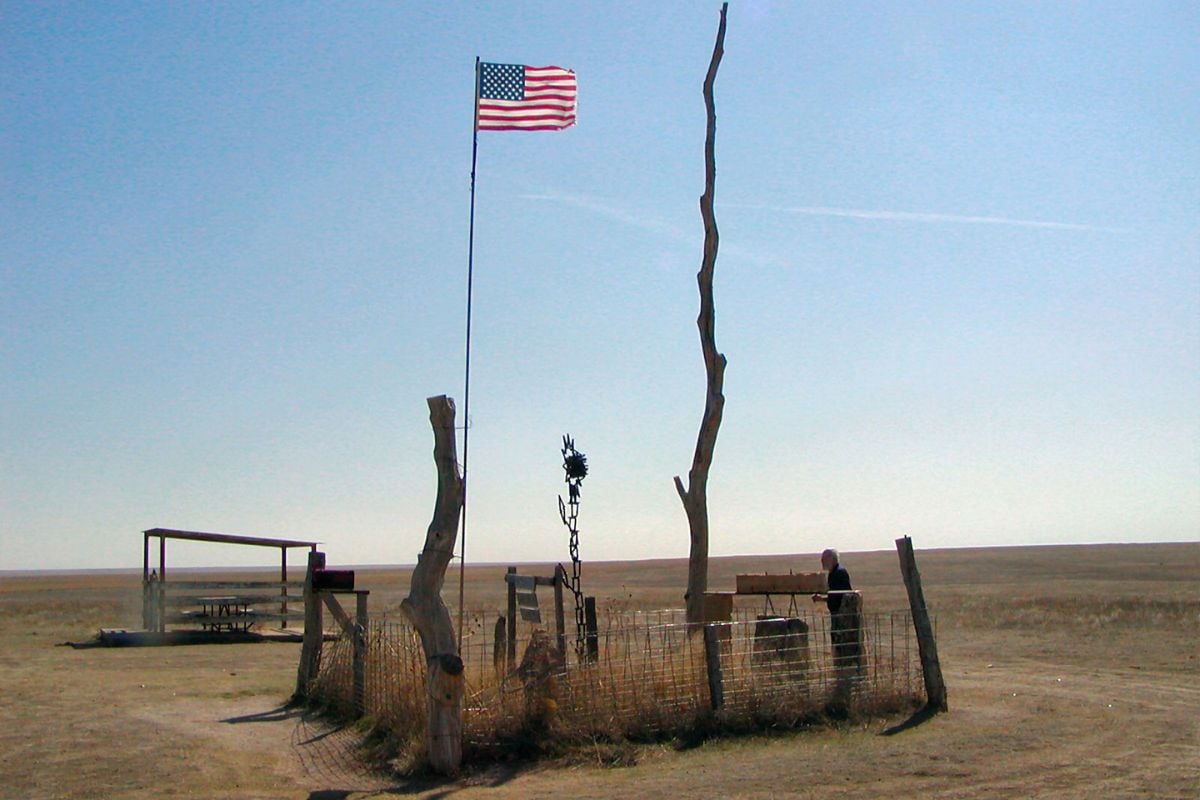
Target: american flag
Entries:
(513, 97)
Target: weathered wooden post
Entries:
(694, 497)
(314, 629)
(424, 606)
(935, 687)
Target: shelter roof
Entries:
(227, 538)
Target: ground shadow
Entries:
(921, 715)
(286, 711)
(428, 785)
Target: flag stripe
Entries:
(518, 97)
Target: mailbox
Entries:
(333, 580)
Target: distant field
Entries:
(1072, 672)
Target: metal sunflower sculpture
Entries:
(576, 469)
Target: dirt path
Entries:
(1018, 728)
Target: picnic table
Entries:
(225, 613)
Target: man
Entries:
(843, 625)
(839, 581)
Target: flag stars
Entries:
(502, 81)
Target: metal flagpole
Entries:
(462, 557)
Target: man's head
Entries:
(829, 559)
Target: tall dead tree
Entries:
(424, 606)
(695, 496)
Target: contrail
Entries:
(910, 216)
(617, 214)
(669, 232)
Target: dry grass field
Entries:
(1072, 672)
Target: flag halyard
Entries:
(515, 97)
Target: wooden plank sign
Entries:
(527, 603)
(801, 583)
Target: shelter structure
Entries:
(228, 606)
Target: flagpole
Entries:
(462, 558)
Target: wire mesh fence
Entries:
(653, 677)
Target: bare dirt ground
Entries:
(1072, 672)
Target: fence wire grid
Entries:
(652, 677)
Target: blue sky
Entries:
(958, 284)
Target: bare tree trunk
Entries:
(424, 606)
(695, 496)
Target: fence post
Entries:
(560, 624)
(498, 643)
(310, 651)
(360, 652)
(592, 629)
(712, 660)
(511, 651)
(935, 687)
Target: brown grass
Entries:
(1072, 672)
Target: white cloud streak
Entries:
(611, 212)
(924, 217)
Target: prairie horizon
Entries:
(252, 568)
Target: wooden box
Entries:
(762, 583)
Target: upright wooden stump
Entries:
(424, 606)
